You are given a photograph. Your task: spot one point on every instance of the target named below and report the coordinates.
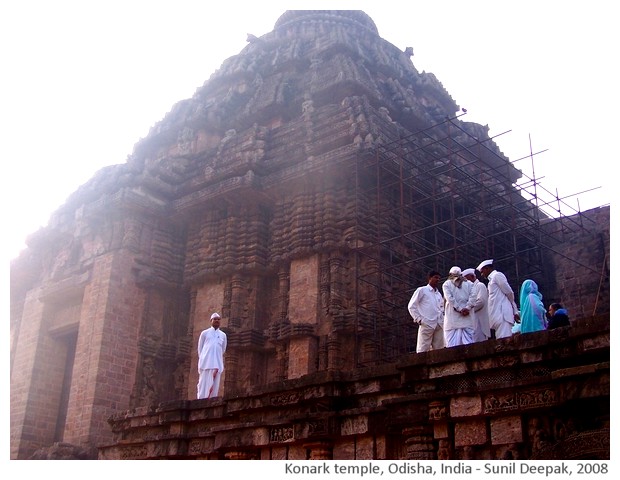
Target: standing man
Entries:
(426, 309)
(211, 348)
(481, 308)
(503, 310)
(459, 321)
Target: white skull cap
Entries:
(484, 263)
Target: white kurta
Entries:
(426, 309)
(502, 306)
(481, 311)
(458, 298)
(426, 306)
(211, 347)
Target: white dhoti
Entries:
(459, 336)
(209, 382)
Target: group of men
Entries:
(466, 311)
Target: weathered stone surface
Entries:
(469, 433)
(532, 416)
(62, 451)
(465, 406)
(506, 430)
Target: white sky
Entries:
(83, 81)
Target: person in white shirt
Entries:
(211, 348)
(481, 306)
(426, 307)
(503, 311)
(459, 320)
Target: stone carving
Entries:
(317, 427)
(437, 411)
(538, 434)
(148, 393)
(498, 402)
(537, 398)
(281, 434)
(521, 400)
(284, 398)
(354, 425)
(128, 453)
(196, 447)
(444, 452)
(185, 140)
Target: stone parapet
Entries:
(529, 396)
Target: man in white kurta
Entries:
(503, 310)
(426, 309)
(458, 323)
(211, 347)
(481, 306)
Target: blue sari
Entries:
(533, 316)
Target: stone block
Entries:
(506, 430)
(473, 432)
(354, 425)
(302, 356)
(364, 448)
(456, 368)
(465, 406)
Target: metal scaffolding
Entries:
(440, 197)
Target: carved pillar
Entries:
(284, 278)
(236, 292)
(230, 370)
(438, 416)
(303, 316)
(281, 362)
(321, 450)
(323, 354)
(334, 359)
(419, 443)
(370, 350)
(324, 286)
(238, 300)
(369, 345)
(336, 288)
(192, 375)
(131, 235)
(227, 301)
(185, 349)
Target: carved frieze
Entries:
(497, 402)
(281, 434)
(284, 398)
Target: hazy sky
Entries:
(83, 81)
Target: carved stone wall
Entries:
(543, 395)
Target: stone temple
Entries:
(304, 192)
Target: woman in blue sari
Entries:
(533, 311)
